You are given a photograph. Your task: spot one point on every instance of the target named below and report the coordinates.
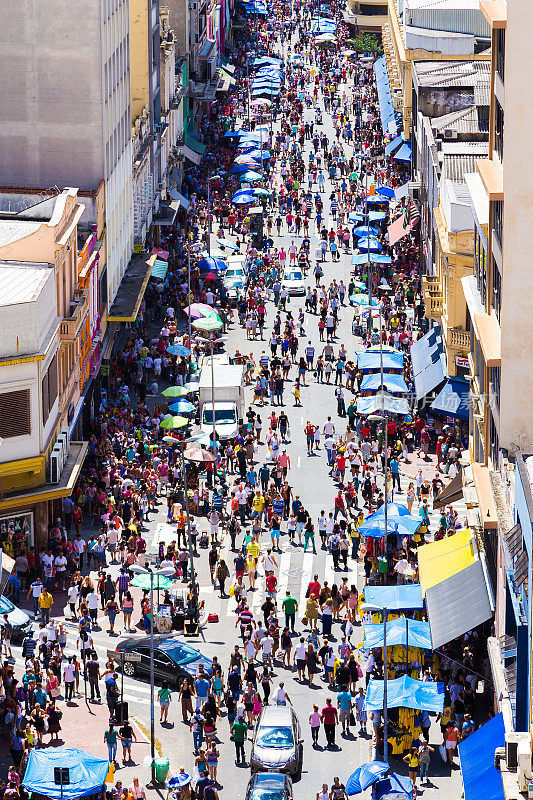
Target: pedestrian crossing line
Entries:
(307, 573)
(283, 575)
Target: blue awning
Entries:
(394, 598)
(453, 398)
(404, 153)
(391, 382)
(481, 779)
(401, 630)
(393, 144)
(429, 363)
(375, 404)
(389, 121)
(372, 360)
(406, 692)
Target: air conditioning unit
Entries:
(512, 741)
(64, 440)
(56, 463)
(450, 134)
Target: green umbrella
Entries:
(175, 391)
(261, 193)
(208, 324)
(174, 422)
(143, 581)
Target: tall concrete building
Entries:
(65, 112)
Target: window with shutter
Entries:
(15, 414)
(49, 388)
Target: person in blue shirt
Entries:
(395, 473)
(202, 686)
(344, 704)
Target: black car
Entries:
(174, 659)
(269, 786)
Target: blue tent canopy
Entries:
(452, 399)
(481, 779)
(370, 244)
(399, 521)
(391, 382)
(376, 216)
(87, 773)
(372, 360)
(376, 199)
(404, 153)
(374, 258)
(395, 598)
(366, 775)
(406, 692)
(393, 787)
(373, 405)
(399, 631)
(393, 145)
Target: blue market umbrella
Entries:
(262, 155)
(376, 199)
(385, 191)
(238, 169)
(209, 264)
(354, 217)
(399, 521)
(377, 216)
(182, 407)
(178, 350)
(232, 135)
(179, 780)
(242, 200)
(365, 775)
(370, 245)
(363, 299)
(249, 177)
(365, 230)
(227, 243)
(395, 787)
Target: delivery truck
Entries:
(228, 398)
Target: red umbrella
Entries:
(210, 276)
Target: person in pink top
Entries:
(285, 462)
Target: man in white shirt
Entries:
(92, 605)
(299, 658)
(60, 564)
(68, 677)
(329, 428)
(47, 562)
(281, 697)
(72, 595)
(266, 645)
(269, 561)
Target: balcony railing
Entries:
(459, 340)
(70, 326)
(434, 306)
(431, 285)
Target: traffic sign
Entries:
(120, 655)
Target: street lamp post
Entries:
(167, 573)
(209, 179)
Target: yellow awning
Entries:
(441, 560)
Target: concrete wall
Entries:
(140, 58)
(435, 102)
(25, 326)
(51, 94)
(516, 412)
(179, 13)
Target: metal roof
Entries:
(13, 230)
(466, 120)
(452, 73)
(455, 166)
(22, 282)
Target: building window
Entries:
(49, 388)
(496, 288)
(15, 414)
(103, 290)
(498, 221)
(495, 379)
(500, 53)
(480, 261)
(498, 129)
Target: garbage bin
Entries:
(161, 768)
(383, 566)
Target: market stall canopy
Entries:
(401, 630)
(428, 362)
(366, 775)
(372, 360)
(453, 399)
(394, 598)
(398, 229)
(369, 244)
(87, 773)
(395, 787)
(481, 779)
(404, 153)
(450, 493)
(454, 579)
(393, 145)
(360, 259)
(406, 692)
(379, 403)
(399, 521)
(391, 382)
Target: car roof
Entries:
(276, 715)
(270, 777)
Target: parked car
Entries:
(293, 280)
(269, 786)
(174, 659)
(19, 620)
(234, 281)
(277, 741)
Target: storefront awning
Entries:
(175, 195)
(131, 291)
(393, 145)
(376, 404)
(404, 153)
(394, 598)
(429, 363)
(389, 121)
(391, 382)
(160, 269)
(406, 692)
(450, 493)
(481, 779)
(205, 50)
(455, 582)
(190, 154)
(195, 144)
(453, 399)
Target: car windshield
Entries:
(296, 275)
(224, 416)
(6, 606)
(234, 273)
(179, 652)
(275, 737)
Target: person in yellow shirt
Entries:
(46, 601)
(252, 550)
(258, 505)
